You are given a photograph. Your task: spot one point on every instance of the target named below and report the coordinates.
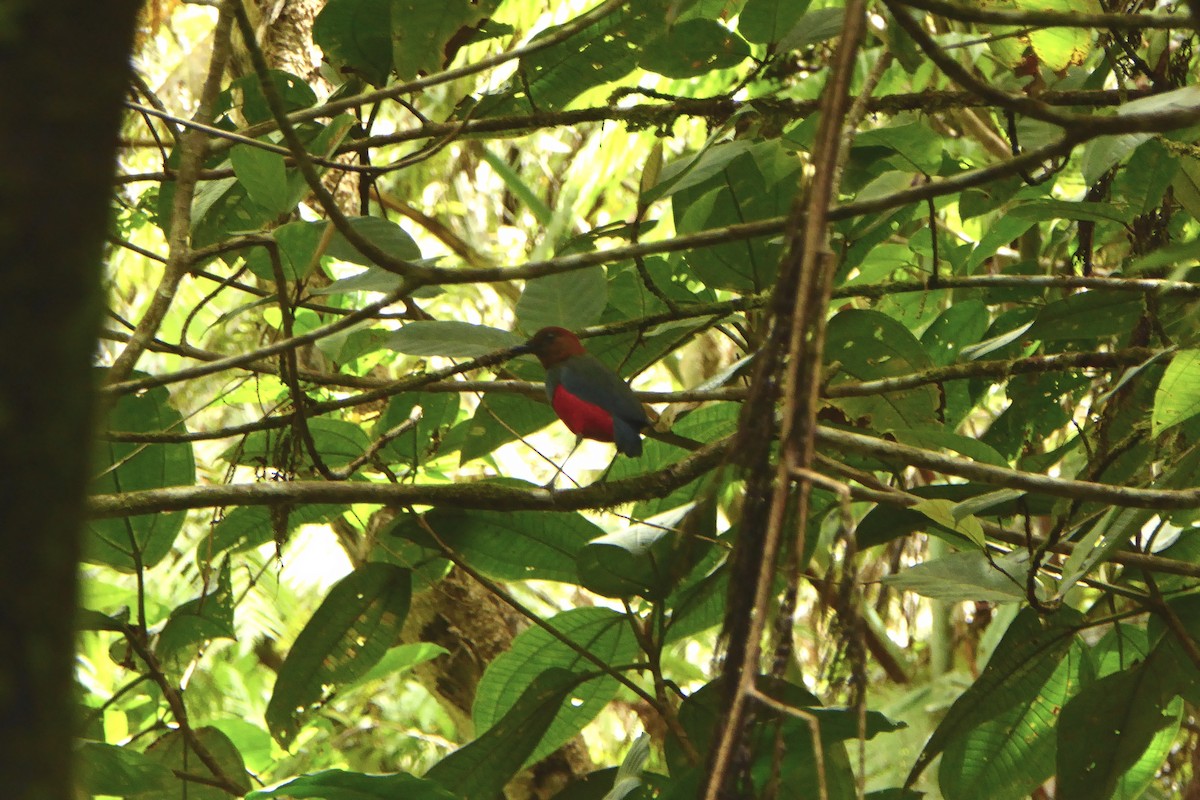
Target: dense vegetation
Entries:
(919, 277)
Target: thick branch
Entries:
(464, 495)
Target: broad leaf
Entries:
(139, 541)
(357, 623)
(603, 633)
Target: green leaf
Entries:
(966, 576)
(932, 437)
(384, 234)
(1061, 47)
(1103, 153)
(868, 345)
(767, 21)
(1087, 315)
(400, 659)
(338, 784)
(961, 324)
(450, 338)
(247, 527)
(1049, 209)
(355, 35)
(245, 96)
(481, 769)
(264, 175)
(698, 607)
(572, 300)
(296, 243)
(647, 557)
(999, 234)
(338, 442)
(758, 184)
(422, 31)
(701, 712)
(1186, 185)
(500, 419)
(517, 185)
(600, 631)
(357, 623)
(1009, 751)
(173, 752)
(602, 52)
(106, 769)
(818, 25)
(696, 169)
(1178, 395)
(510, 545)
(694, 47)
(1113, 530)
(1005, 719)
(1106, 729)
(128, 467)
(437, 412)
(209, 616)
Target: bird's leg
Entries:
(563, 465)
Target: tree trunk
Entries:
(65, 68)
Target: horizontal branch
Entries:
(477, 495)
(379, 387)
(1049, 19)
(1089, 491)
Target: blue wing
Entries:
(589, 379)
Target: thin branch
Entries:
(466, 495)
(1047, 18)
(193, 146)
(1124, 496)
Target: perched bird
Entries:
(590, 399)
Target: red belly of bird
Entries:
(581, 417)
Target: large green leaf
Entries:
(481, 769)
(338, 442)
(338, 784)
(264, 175)
(173, 751)
(567, 299)
(1178, 395)
(449, 338)
(125, 544)
(604, 51)
(209, 616)
(757, 184)
(422, 32)
(700, 715)
(648, 557)
(600, 631)
(1087, 315)
(246, 527)
(355, 35)
(694, 47)
(768, 21)
(867, 345)
(1107, 729)
(106, 769)
(1000, 731)
(357, 623)
(969, 575)
(437, 412)
(499, 419)
(510, 545)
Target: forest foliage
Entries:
(919, 277)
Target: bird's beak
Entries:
(522, 349)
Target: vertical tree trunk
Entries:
(65, 68)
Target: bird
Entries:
(591, 400)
